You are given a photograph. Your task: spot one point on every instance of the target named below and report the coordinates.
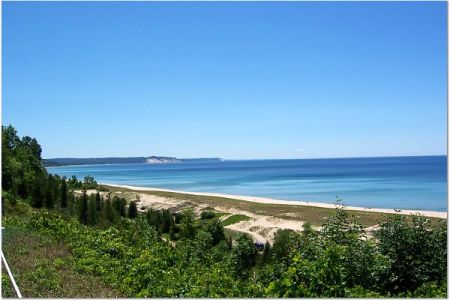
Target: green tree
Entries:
(38, 191)
(243, 255)
(202, 246)
(11, 166)
(266, 255)
(108, 211)
(83, 215)
(22, 166)
(215, 229)
(119, 205)
(73, 183)
(282, 243)
(72, 205)
(89, 183)
(98, 202)
(188, 225)
(207, 214)
(342, 227)
(63, 190)
(172, 228)
(92, 211)
(132, 210)
(153, 217)
(50, 192)
(33, 146)
(166, 220)
(417, 250)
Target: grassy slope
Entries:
(314, 215)
(43, 267)
(235, 219)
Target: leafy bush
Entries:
(243, 255)
(418, 252)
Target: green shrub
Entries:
(207, 214)
(235, 219)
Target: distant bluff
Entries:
(68, 161)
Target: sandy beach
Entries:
(260, 225)
(433, 214)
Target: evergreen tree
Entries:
(244, 255)
(73, 183)
(188, 225)
(215, 228)
(154, 219)
(172, 228)
(92, 211)
(119, 205)
(49, 193)
(38, 191)
(56, 190)
(108, 211)
(166, 218)
(132, 210)
(83, 216)
(282, 244)
(71, 203)
(98, 202)
(266, 253)
(230, 243)
(63, 196)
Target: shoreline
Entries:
(263, 200)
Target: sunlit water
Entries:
(394, 182)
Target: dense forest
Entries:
(159, 253)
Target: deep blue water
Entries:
(388, 182)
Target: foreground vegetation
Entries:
(162, 254)
(44, 267)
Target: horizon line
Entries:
(217, 157)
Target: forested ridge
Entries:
(159, 253)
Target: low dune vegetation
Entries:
(234, 219)
(62, 241)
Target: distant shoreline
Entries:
(433, 214)
(72, 161)
(215, 159)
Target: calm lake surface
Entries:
(388, 182)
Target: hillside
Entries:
(71, 238)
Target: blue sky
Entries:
(231, 80)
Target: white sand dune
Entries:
(434, 214)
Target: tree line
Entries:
(24, 177)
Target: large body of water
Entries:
(388, 182)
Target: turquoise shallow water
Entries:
(390, 182)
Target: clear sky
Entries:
(231, 80)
